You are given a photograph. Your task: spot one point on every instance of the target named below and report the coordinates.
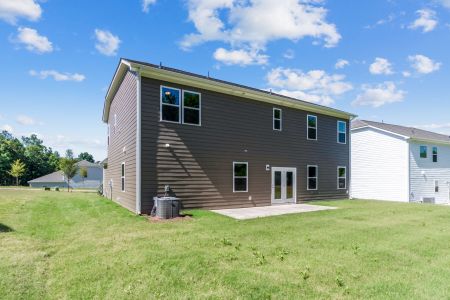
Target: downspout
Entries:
(137, 72)
(350, 157)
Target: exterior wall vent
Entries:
(430, 200)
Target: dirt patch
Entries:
(177, 219)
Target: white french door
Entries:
(284, 185)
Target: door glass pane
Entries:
(277, 186)
(289, 185)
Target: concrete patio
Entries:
(267, 211)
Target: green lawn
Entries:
(59, 245)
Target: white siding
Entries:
(379, 163)
(422, 184)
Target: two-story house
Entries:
(218, 144)
(398, 163)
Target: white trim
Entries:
(193, 108)
(246, 177)
(283, 183)
(275, 119)
(338, 132)
(382, 130)
(345, 177)
(174, 105)
(307, 177)
(206, 83)
(138, 142)
(122, 177)
(316, 128)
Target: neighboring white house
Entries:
(397, 163)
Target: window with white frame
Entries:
(342, 132)
(423, 151)
(312, 177)
(436, 186)
(277, 119)
(312, 127)
(191, 108)
(435, 154)
(342, 178)
(240, 177)
(170, 104)
(122, 177)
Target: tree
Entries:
(83, 173)
(18, 168)
(69, 153)
(86, 156)
(69, 168)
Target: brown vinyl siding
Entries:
(124, 106)
(198, 163)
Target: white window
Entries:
(277, 119)
(170, 105)
(192, 112)
(311, 127)
(240, 177)
(122, 177)
(312, 174)
(342, 178)
(342, 132)
(435, 154)
(436, 186)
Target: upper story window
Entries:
(277, 119)
(184, 109)
(435, 154)
(342, 177)
(423, 151)
(312, 177)
(122, 177)
(342, 132)
(312, 127)
(240, 177)
(191, 108)
(170, 104)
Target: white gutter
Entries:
(137, 72)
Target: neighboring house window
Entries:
(342, 132)
(240, 176)
(342, 177)
(191, 108)
(436, 186)
(170, 104)
(423, 151)
(312, 127)
(108, 133)
(122, 177)
(277, 119)
(435, 154)
(312, 177)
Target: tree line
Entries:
(29, 158)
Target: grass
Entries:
(79, 245)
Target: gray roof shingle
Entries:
(410, 132)
(57, 176)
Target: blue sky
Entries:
(381, 59)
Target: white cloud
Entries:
(25, 120)
(381, 66)
(240, 57)
(445, 3)
(427, 20)
(146, 4)
(57, 75)
(33, 41)
(8, 128)
(341, 63)
(289, 54)
(107, 43)
(380, 22)
(314, 86)
(11, 10)
(379, 95)
(254, 23)
(423, 64)
(406, 74)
